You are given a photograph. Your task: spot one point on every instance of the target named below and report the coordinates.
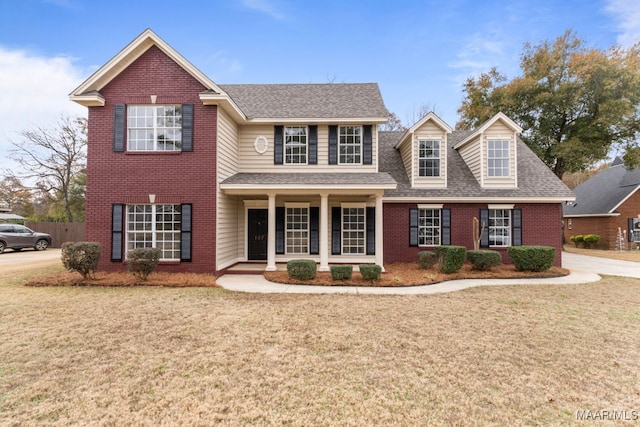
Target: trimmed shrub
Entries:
(532, 258)
(301, 269)
(141, 262)
(590, 240)
(82, 257)
(451, 258)
(577, 239)
(341, 272)
(483, 259)
(427, 259)
(370, 272)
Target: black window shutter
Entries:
(187, 127)
(445, 227)
(630, 231)
(484, 219)
(117, 227)
(185, 232)
(333, 145)
(367, 145)
(314, 230)
(336, 231)
(313, 145)
(278, 142)
(517, 227)
(280, 230)
(371, 231)
(119, 127)
(413, 227)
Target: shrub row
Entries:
(450, 259)
(305, 269)
(587, 240)
(83, 257)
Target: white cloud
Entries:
(627, 16)
(35, 93)
(264, 6)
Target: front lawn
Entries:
(508, 355)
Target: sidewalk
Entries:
(258, 284)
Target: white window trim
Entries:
(154, 231)
(510, 227)
(284, 146)
(439, 158)
(364, 230)
(509, 157)
(431, 207)
(361, 144)
(155, 128)
(289, 205)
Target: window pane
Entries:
(353, 231)
(153, 128)
(350, 145)
(297, 230)
(429, 227)
(499, 227)
(498, 158)
(155, 226)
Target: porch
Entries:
(273, 218)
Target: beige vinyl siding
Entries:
(430, 131)
(406, 155)
(499, 131)
(227, 211)
(471, 154)
(251, 161)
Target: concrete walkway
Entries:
(584, 269)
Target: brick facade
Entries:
(541, 225)
(605, 226)
(174, 177)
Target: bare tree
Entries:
(15, 196)
(393, 124)
(54, 157)
(420, 112)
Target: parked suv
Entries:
(18, 237)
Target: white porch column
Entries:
(379, 231)
(271, 234)
(324, 232)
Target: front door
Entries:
(258, 225)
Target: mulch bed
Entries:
(67, 278)
(410, 274)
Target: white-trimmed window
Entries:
(636, 230)
(297, 228)
(428, 227)
(155, 226)
(429, 158)
(350, 145)
(499, 227)
(154, 127)
(354, 229)
(295, 145)
(498, 158)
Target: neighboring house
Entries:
(607, 204)
(216, 175)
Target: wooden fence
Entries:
(60, 231)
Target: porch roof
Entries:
(309, 181)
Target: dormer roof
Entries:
(431, 116)
(498, 117)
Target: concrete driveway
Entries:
(28, 258)
(592, 264)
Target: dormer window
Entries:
(498, 158)
(429, 158)
(295, 145)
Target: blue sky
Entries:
(419, 52)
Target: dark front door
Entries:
(257, 234)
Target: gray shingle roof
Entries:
(316, 101)
(535, 179)
(603, 192)
(315, 179)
